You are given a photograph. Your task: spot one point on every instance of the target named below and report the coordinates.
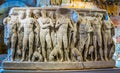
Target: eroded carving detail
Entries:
(45, 36)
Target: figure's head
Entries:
(43, 13)
(28, 12)
(11, 12)
(22, 14)
(51, 14)
(36, 13)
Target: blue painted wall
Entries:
(8, 4)
(27, 2)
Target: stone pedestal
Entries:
(57, 65)
(110, 70)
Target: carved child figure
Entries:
(76, 55)
(53, 56)
(37, 55)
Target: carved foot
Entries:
(96, 59)
(86, 60)
(106, 59)
(69, 60)
(11, 59)
(79, 59)
(102, 59)
(29, 60)
(45, 60)
(22, 60)
(61, 60)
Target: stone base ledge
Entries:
(57, 65)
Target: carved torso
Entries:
(43, 22)
(64, 24)
(28, 25)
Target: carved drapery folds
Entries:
(45, 35)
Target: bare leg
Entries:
(112, 51)
(66, 48)
(25, 42)
(53, 38)
(13, 41)
(33, 58)
(40, 58)
(59, 46)
(95, 46)
(49, 44)
(91, 51)
(51, 56)
(42, 40)
(81, 45)
(105, 46)
(20, 41)
(37, 40)
(100, 47)
(87, 47)
(31, 39)
(78, 55)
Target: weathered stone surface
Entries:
(57, 65)
(55, 39)
(99, 64)
(110, 70)
(43, 65)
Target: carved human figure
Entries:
(12, 34)
(53, 30)
(73, 37)
(112, 46)
(6, 36)
(84, 36)
(20, 33)
(37, 55)
(62, 24)
(97, 36)
(36, 14)
(28, 37)
(76, 55)
(45, 24)
(108, 41)
(53, 56)
(91, 53)
(72, 34)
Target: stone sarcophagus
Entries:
(59, 39)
